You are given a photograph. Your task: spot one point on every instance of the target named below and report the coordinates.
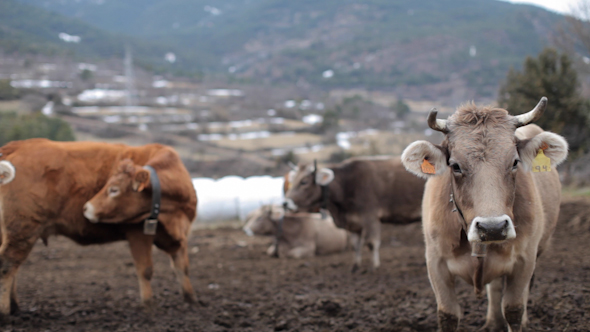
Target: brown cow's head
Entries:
(305, 192)
(481, 155)
(121, 199)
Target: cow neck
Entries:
(150, 224)
(478, 251)
(325, 192)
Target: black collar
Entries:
(324, 204)
(279, 232)
(150, 224)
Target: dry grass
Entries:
(10, 106)
(272, 142)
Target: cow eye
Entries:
(304, 182)
(113, 191)
(515, 165)
(456, 168)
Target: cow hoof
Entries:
(190, 298)
(14, 308)
(447, 322)
(494, 328)
(148, 305)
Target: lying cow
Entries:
(486, 216)
(359, 193)
(302, 234)
(47, 194)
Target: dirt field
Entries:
(66, 287)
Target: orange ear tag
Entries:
(541, 163)
(427, 167)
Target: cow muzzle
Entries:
(290, 204)
(89, 212)
(248, 231)
(491, 229)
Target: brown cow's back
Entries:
(55, 179)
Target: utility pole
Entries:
(131, 97)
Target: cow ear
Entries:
(276, 214)
(141, 180)
(7, 172)
(424, 159)
(553, 146)
(291, 178)
(324, 176)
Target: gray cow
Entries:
(302, 235)
(490, 208)
(359, 193)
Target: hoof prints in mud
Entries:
(95, 288)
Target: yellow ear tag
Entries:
(541, 163)
(427, 167)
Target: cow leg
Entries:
(13, 252)
(14, 307)
(302, 252)
(180, 264)
(8, 270)
(141, 250)
(271, 250)
(358, 251)
(443, 284)
(374, 242)
(495, 318)
(516, 295)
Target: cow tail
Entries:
(7, 172)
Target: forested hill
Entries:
(27, 29)
(368, 43)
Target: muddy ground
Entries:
(66, 287)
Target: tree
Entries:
(331, 119)
(400, 108)
(7, 91)
(551, 75)
(13, 127)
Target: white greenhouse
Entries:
(233, 197)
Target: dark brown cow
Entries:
(53, 182)
(486, 216)
(359, 193)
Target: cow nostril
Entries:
(479, 226)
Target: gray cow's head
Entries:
(262, 221)
(481, 154)
(305, 186)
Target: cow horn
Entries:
(437, 124)
(532, 116)
(292, 165)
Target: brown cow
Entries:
(482, 200)
(359, 193)
(302, 234)
(55, 179)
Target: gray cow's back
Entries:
(382, 184)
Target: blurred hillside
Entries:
(456, 49)
(26, 30)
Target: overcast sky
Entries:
(560, 6)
